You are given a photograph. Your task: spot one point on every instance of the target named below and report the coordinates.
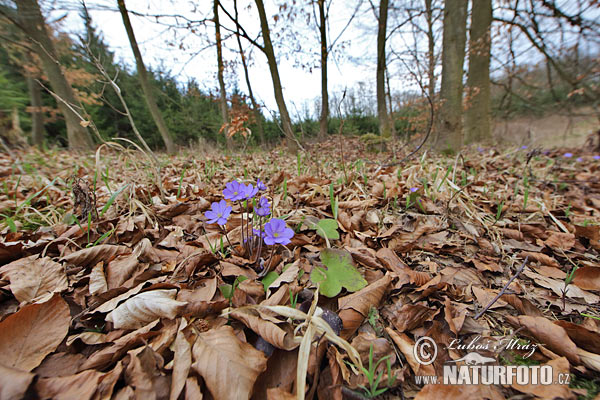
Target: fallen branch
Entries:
(480, 313)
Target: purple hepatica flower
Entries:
(579, 159)
(219, 213)
(260, 185)
(480, 149)
(250, 191)
(276, 232)
(546, 152)
(523, 147)
(234, 191)
(568, 155)
(258, 233)
(413, 189)
(596, 157)
(263, 208)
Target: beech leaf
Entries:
(145, 307)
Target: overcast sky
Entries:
(198, 59)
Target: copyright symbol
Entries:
(425, 350)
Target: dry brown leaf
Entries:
(406, 346)
(587, 278)
(38, 280)
(30, 334)
(583, 337)
(522, 305)
(107, 382)
(192, 389)
(14, 383)
(81, 386)
(541, 257)
(222, 359)
(108, 355)
(93, 255)
(560, 240)
(97, 279)
(182, 360)
(485, 296)
(558, 286)
(550, 335)
(145, 307)
(553, 391)
(410, 316)
(354, 308)
(265, 329)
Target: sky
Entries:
(302, 87)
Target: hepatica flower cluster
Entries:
(257, 228)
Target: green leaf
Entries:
(340, 272)
(269, 278)
(326, 228)
(11, 224)
(226, 290)
(112, 199)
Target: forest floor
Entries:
(110, 290)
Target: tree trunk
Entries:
(255, 107)
(430, 51)
(32, 22)
(478, 116)
(449, 133)
(278, 91)
(221, 67)
(146, 87)
(384, 122)
(323, 126)
(37, 118)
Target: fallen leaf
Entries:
(33, 332)
(587, 278)
(93, 255)
(552, 391)
(81, 386)
(182, 361)
(145, 307)
(14, 383)
(229, 367)
(340, 273)
(38, 280)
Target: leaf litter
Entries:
(145, 298)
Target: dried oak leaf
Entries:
(145, 307)
(93, 255)
(229, 367)
(81, 386)
(35, 331)
(38, 280)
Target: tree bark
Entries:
(323, 126)
(430, 51)
(384, 121)
(32, 23)
(255, 107)
(37, 118)
(478, 116)
(221, 67)
(278, 91)
(449, 132)
(145, 83)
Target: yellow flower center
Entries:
(276, 234)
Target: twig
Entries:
(480, 313)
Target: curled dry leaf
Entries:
(552, 336)
(354, 308)
(269, 331)
(145, 307)
(93, 255)
(229, 367)
(583, 337)
(97, 279)
(406, 346)
(35, 331)
(38, 280)
(182, 361)
(587, 278)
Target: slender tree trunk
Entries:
(430, 51)
(323, 126)
(478, 116)
(37, 118)
(146, 87)
(221, 67)
(32, 22)
(449, 130)
(384, 122)
(278, 91)
(390, 111)
(255, 107)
